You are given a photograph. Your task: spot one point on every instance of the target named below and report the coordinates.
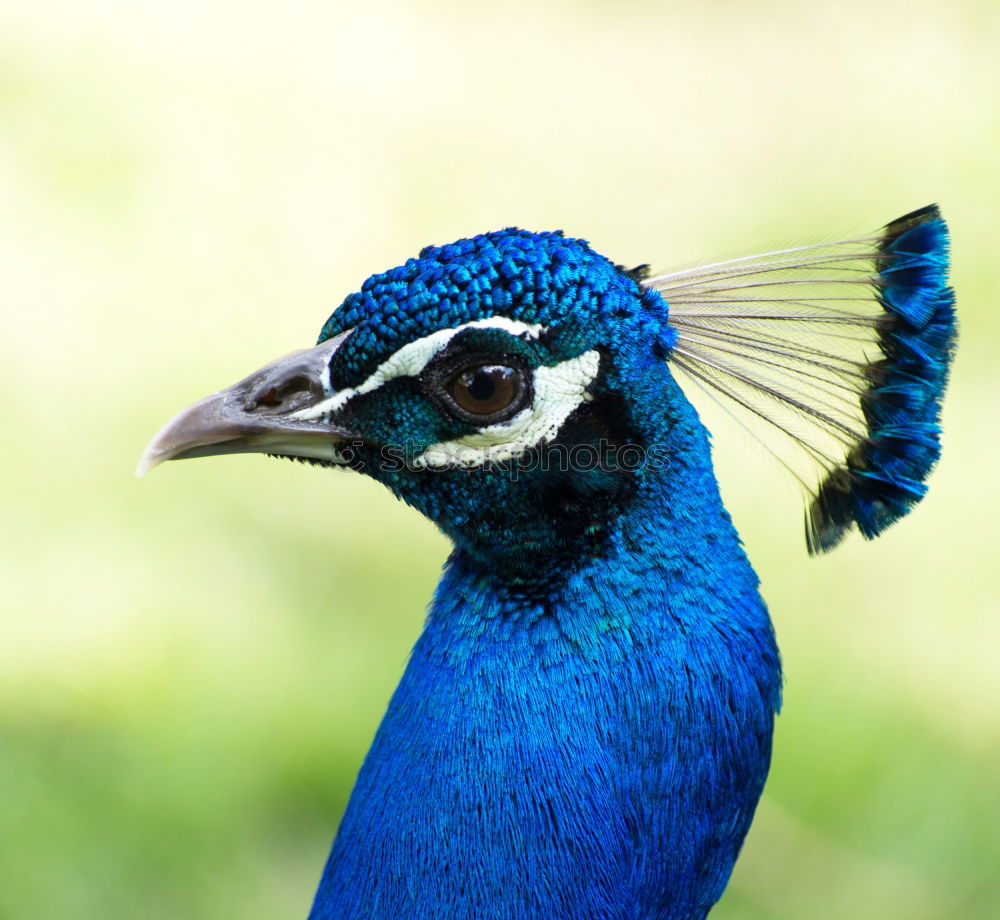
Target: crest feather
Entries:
(842, 350)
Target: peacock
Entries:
(584, 725)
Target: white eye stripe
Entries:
(558, 391)
(411, 359)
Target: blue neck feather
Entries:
(594, 748)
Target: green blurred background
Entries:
(192, 666)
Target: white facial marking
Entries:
(411, 359)
(558, 390)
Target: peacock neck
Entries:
(594, 748)
(672, 547)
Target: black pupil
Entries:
(483, 384)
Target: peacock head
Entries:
(514, 386)
(496, 384)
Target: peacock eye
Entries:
(486, 390)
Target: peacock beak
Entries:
(262, 413)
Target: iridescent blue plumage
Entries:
(584, 727)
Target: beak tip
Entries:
(147, 461)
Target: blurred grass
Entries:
(192, 666)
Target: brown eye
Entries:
(486, 389)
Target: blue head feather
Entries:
(534, 277)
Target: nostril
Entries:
(281, 394)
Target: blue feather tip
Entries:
(883, 475)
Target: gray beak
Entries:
(260, 414)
